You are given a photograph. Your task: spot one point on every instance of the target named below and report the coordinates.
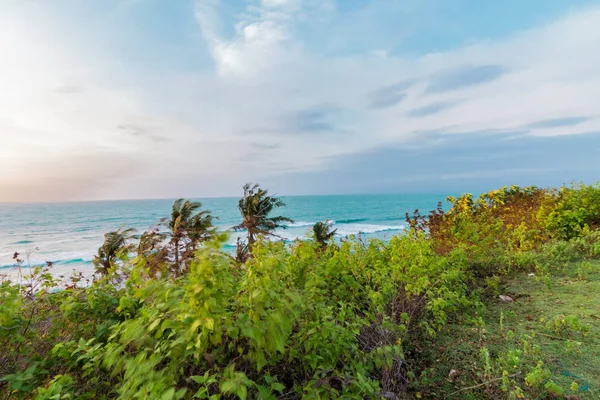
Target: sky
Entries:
(129, 99)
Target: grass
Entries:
(560, 314)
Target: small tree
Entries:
(323, 233)
(116, 244)
(255, 207)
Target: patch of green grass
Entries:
(555, 320)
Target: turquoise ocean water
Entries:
(68, 234)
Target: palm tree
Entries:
(322, 233)
(115, 244)
(188, 226)
(255, 207)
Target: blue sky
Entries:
(152, 98)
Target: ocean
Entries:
(68, 234)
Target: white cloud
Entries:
(261, 38)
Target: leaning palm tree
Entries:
(115, 244)
(255, 207)
(188, 227)
(322, 233)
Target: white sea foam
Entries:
(355, 229)
(300, 224)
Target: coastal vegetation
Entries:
(495, 296)
(322, 233)
(255, 208)
(116, 244)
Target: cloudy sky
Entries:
(121, 99)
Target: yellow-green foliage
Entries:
(578, 207)
(496, 226)
(299, 320)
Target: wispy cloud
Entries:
(558, 122)
(429, 109)
(458, 163)
(464, 77)
(265, 146)
(388, 96)
(310, 120)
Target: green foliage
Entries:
(59, 388)
(565, 325)
(323, 233)
(116, 246)
(160, 252)
(311, 320)
(256, 331)
(578, 207)
(188, 227)
(517, 228)
(489, 229)
(10, 306)
(255, 207)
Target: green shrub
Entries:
(59, 388)
(578, 206)
(320, 323)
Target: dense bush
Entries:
(577, 207)
(494, 228)
(298, 321)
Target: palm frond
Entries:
(115, 243)
(322, 233)
(255, 207)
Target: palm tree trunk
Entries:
(106, 266)
(251, 238)
(177, 252)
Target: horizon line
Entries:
(227, 197)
